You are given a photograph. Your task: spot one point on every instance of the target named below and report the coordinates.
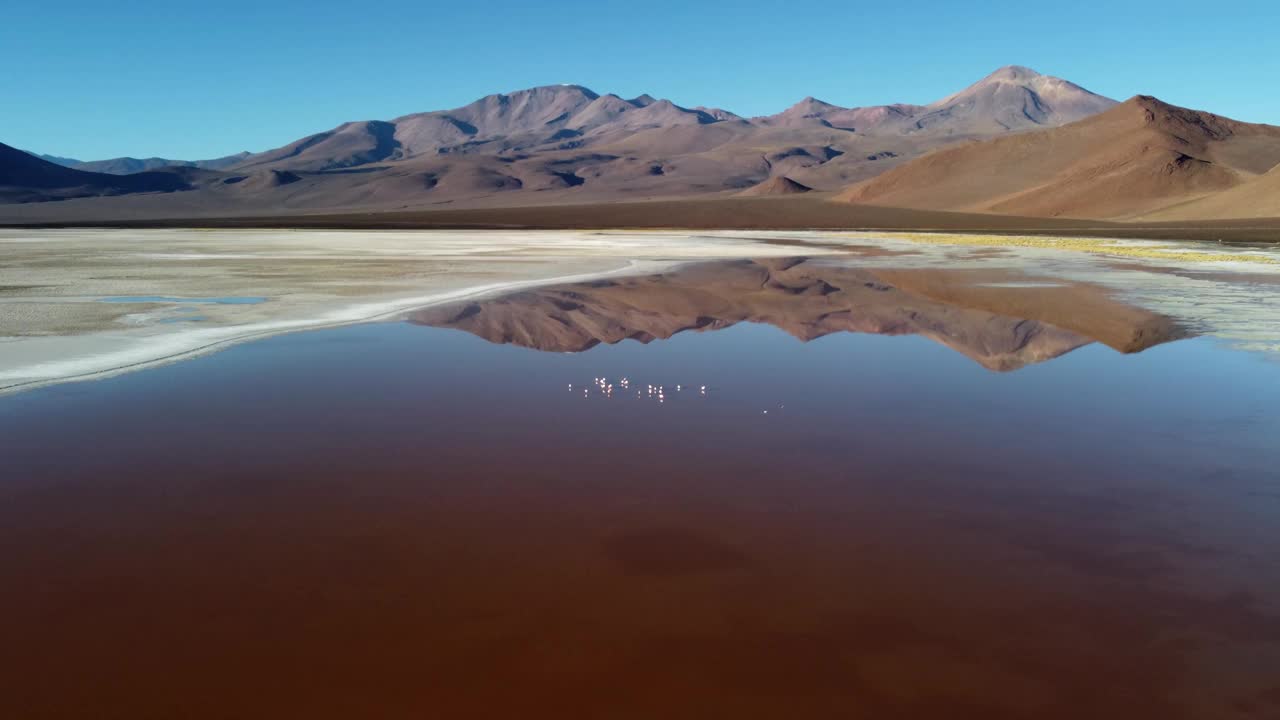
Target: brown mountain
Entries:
(565, 144)
(805, 299)
(556, 117)
(1132, 160)
(571, 117)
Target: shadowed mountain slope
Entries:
(27, 178)
(778, 185)
(1258, 197)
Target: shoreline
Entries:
(206, 341)
(324, 279)
(60, 322)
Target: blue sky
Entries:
(190, 80)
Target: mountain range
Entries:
(1016, 142)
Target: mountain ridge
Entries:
(1015, 142)
(574, 110)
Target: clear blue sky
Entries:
(189, 80)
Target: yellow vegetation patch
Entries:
(1100, 246)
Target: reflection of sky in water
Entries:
(848, 387)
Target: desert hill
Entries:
(1259, 197)
(779, 185)
(1132, 160)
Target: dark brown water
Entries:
(397, 521)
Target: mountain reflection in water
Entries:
(1003, 326)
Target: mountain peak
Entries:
(1184, 123)
(559, 89)
(1016, 97)
(1015, 75)
(1148, 102)
(538, 93)
(1012, 73)
(811, 103)
(1018, 77)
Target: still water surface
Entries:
(396, 520)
